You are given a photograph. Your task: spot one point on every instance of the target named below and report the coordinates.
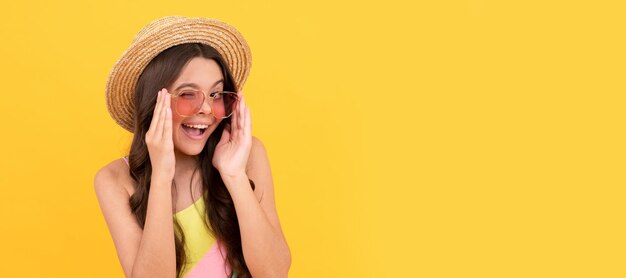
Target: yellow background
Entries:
(460, 138)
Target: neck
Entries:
(185, 163)
(185, 166)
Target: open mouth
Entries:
(194, 131)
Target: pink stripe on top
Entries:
(212, 264)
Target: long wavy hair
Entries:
(161, 72)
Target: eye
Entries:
(216, 95)
(187, 94)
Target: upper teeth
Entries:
(196, 126)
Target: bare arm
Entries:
(123, 226)
(238, 156)
(142, 253)
(156, 256)
(149, 252)
(264, 246)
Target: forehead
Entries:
(200, 71)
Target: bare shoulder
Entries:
(114, 177)
(111, 184)
(258, 155)
(258, 169)
(257, 145)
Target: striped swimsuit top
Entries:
(205, 256)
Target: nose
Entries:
(206, 106)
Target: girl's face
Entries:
(204, 75)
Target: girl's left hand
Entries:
(232, 151)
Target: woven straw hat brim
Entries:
(160, 35)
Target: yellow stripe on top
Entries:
(198, 239)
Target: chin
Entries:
(189, 150)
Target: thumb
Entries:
(225, 135)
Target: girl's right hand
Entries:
(159, 139)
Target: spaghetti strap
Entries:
(126, 160)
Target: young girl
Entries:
(194, 197)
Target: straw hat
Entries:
(160, 35)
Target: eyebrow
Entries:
(195, 86)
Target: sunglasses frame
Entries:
(204, 98)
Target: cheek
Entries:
(175, 117)
(176, 121)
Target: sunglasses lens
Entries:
(188, 103)
(223, 104)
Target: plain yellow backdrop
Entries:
(455, 138)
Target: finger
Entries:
(155, 114)
(234, 118)
(241, 117)
(236, 133)
(225, 136)
(248, 128)
(161, 123)
(244, 119)
(232, 128)
(167, 132)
